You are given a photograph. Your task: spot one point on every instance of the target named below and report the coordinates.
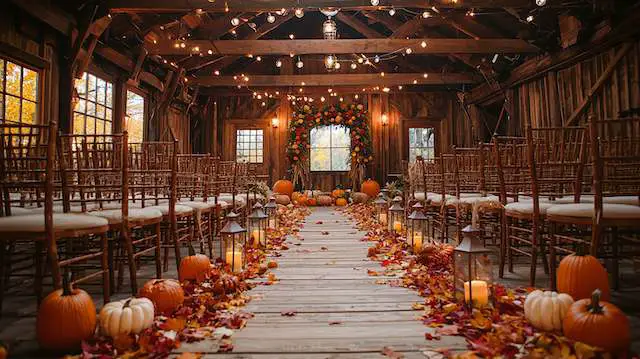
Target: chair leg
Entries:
(158, 246)
(552, 256)
(503, 243)
(535, 239)
(210, 234)
(509, 245)
(173, 235)
(3, 260)
(110, 259)
(106, 288)
(38, 262)
(133, 278)
(54, 262)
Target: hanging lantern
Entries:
(271, 209)
(417, 227)
(330, 30)
(382, 209)
(258, 226)
(234, 240)
(472, 270)
(396, 215)
(330, 62)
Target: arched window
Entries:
(330, 148)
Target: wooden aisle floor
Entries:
(338, 309)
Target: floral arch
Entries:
(352, 116)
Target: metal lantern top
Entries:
(396, 205)
(417, 213)
(257, 213)
(380, 201)
(470, 243)
(232, 226)
(271, 204)
(330, 30)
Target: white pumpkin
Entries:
(127, 316)
(546, 310)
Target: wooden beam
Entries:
(83, 64)
(311, 91)
(606, 74)
(350, 46)
(127, 64)
(357, 25)
(393, 79)
(50, 15)
(135, 74)
(157, 6)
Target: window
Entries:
(18, 93)
(421, 143)
(249, 146)
(93, 114)
(330, 148)
(135, 117)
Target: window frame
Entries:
(145, 97)
(409, 124)
(331, 170)
(263, 147)
(40, 76)
(108, 79)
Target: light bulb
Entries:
(322, 99)
(408, 51)
(360, 60)
(376, 59)
(271, 19)
(329, 61)
(530, 18)
(353, 66)
(415, 82)
(337, 65)
(541, 2)
(300, 64)
(292, 36)
(216, 72)
(392, 11)
(299, 13)
(423, 44)
(235, 21)
(375, 2)
(259, 58)
(210, 52)
(425, 75)
(278, 63)
(400, 87)
(426, 14)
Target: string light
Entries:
(375, 2)
(278, 63)
(292, 36)
(376, 59)
(408, 51)
(271, 19)
(299, 64)
(322, 99)
(210, 52)
(423, 44)
(425, 75)
(426, 14)
(354, 66)
(415, 82)
(541, 2)
(235, 21)
(216, 72)
(183, 45)
(299, 13)
(392, 11)
(337, 66)
(530, 18)
(259, 58)
(382, 74)
(360, 60)
(400, 87)
(386, 89)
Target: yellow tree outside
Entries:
(19, 93)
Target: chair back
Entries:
(513, 176)
(153, 173)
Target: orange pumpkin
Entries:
(337, 193)
(312, 202)
(166, 294)
(325, 200)
(302, 200)
(194, 266)
(597, 323)
(341, 202)
(65, 318)
(283, 187)
(579, 275)
(371, 188)
(295, 196)
(3, 352)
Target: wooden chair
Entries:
(27, 167)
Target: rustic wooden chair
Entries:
(608, 226)
(153, 177)
(27, 166)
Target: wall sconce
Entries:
(275, 122)
(384, 119)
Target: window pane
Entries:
(340, 159)
(78, 123)
(340, 136)
(421, 143)
(91, 108)
(12, 109)
(320, 159)
(30, 84)
(101, 88)
(2, 72)
(100, 111)
(321, 136)
(135, 116)
(81, 106)
(109, 99)
(91, 94)
(249, 146)
(28, 112)
(81, 86)
(331, 148)
(14, 72)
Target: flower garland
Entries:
(352, 116)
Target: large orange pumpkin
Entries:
(579, 275)
(597, 323)
(166, 294)
(65, 318)
(194, 266)
(337, 193)
(341, 202)
(283, 187)
(371, 188)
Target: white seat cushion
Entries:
(114, 216)
(419, 196)
(586, 210)
(526, 207)
(34, 223)
(630, 200)
(585, 198)
(437, 198)
(20, 211)
(227, 197)
(473, 194)
(197, 205)
(180, 210)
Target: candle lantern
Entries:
(258, 226)
(473, 272)
(271, 208)
(234, 240)
(382, 209)
(396, 215)
(417, 227)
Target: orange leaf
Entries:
(189, 356)
(175, 324)
(124, 342)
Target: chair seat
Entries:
(227, 197)
(437, 198)
(491, 199)
(197, 205)
(20, 211)
(587, 210)
(114, 216)
(180, 210)
(419, 196)
(525, 207)
(34, 223)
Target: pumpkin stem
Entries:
(594, 306)
(66, 283)
(127, 303)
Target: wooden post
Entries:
(120, 105)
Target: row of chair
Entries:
(553, 192)
(91, 204)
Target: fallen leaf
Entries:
(189, 356)
(387, 351)
(288, 313)
(324, 248)
(335, 322)
(372, 273)
(324, 233)
(175, 324)
(319, 222)
(124, 342)
(448, 330)
(417, 306)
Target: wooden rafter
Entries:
(393, 79)
(142, 55)
(365, 46)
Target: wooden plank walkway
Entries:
(340, 312)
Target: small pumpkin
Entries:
(194, 266)
(295, 196)
(312, 202)
(370, 187)
(546, 310)
(3, 352)
(360, 197)
(65, 318)
(324, 200)
(282, 199)
(579, 275)
(341, 202)
(166, 294)
(597, 323)
(283, 187)
(337, 193)
(128, 316)
(302, 201)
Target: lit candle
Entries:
(383, 218)
(256, 235)
(272, 223)
(417, 241)
(234, 260)
(479, 293)
(397, 226)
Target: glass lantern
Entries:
(417, 228)
(234, 240)
(473, 272)
(271, 208)
(396, 215)
(258, 226)
(382, 209)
